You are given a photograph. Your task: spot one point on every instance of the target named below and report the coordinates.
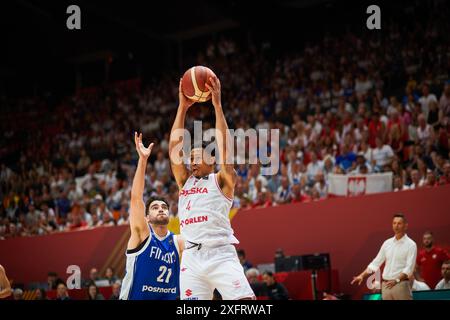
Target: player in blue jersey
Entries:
(153, 252)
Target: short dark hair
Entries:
(43, 293)
(241, 252)
(269, 273)
(203, 145)
(428, 232)
(150, 200)
(399, 215)
(446, 262)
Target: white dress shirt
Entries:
(442, 285)
(420, 286)
(399, 255)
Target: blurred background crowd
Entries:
(352, 103)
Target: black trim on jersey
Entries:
(194, 245)
(139, 247)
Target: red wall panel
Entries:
(28, 259)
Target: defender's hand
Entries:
(143, 152)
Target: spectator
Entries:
(62, 205)
(124, 215)
(295, 175)
(329, 296)
(328, 164)
(366, 151)
(360, 163)
(444, 102)
(279, 253)
(398, 184)
(418, 285)
(254, 179)
(321, 186)
(445, 177)
(382, 154)
(107, 220)
(424, 130)
(95, 222)
(18, 294)
(282, 195)
(161, 165)
(102, 209)
(433, 115)
(313, 167)
(444, 284)
(61, 292)
(40, 294)
(83, 162)
(275, 290)
(429, 260)
(110, 276)
(115, 295)
(430, 180)
(245, 264)
(426, 99)
(346, 159)
(49, 214)
(77, 221)
(297, 195)
(33, 216)
(93, 277)
(93, 293)
(258, 288)
(53, 280)
(75, 194)
(415, 180)
(376, 129)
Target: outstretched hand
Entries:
(358, 280)
(140, 148)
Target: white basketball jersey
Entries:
(203, 210)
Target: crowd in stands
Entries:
(56, 288)
(336, 103)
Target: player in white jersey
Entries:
(209, 260)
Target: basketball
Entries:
(193, 83)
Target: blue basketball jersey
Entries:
(152, 271)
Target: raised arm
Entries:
(138, 223)
(5, 286)
(176, 140)
(226, 175)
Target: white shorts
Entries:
(207, 269)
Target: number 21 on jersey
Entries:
(164, 270)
